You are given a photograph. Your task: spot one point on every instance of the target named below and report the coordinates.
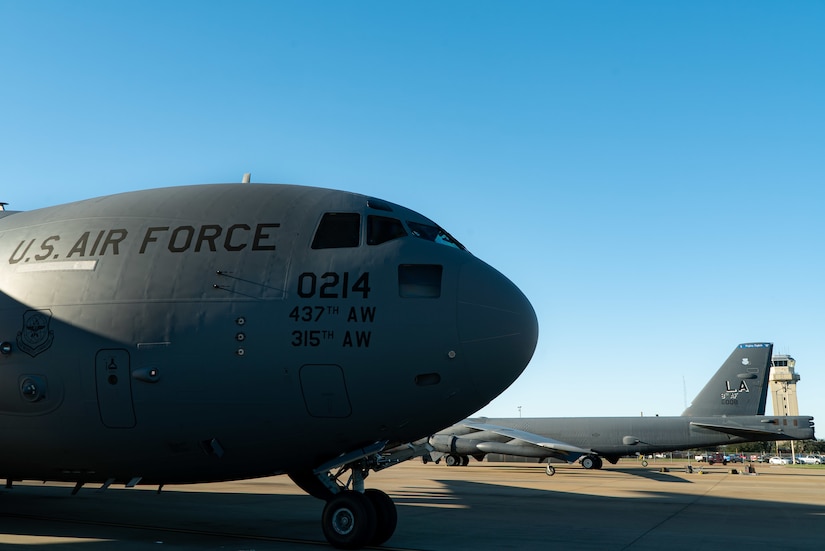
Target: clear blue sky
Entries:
(650, 174)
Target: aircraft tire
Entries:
(386, 515)
(349, 520)
(597, 462)
(465, 460)
(550, 470)
(452, 460)
(589, 462)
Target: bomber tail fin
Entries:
(740, 387)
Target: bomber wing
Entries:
(529, 437)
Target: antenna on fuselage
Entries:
(246, 178)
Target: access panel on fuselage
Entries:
(325, 391)
(114, 388)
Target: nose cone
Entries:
(497, 327)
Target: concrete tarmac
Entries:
(481, 506)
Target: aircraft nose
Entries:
(497, 327)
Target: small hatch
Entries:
(419, 280)
(378, 204)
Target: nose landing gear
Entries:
(354, 517)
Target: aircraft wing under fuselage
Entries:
(524, 437)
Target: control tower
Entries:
(782, 382)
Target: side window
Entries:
(434, 234)
(381, 229)
(419, 280)
(338, 230)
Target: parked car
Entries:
(779, 461)
(717, 458)
(810, 460)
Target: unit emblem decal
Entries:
(36, 336)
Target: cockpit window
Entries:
(434, 233)
(381, 229)
(338, 230)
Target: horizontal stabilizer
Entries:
(529, 437)
(752, 433)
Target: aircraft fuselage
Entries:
(613, 437)
(212, 332)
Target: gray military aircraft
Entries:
(229, 331)
(729, 410)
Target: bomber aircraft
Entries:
(729, 410)
(228, 331)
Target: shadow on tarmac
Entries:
(441, 514)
